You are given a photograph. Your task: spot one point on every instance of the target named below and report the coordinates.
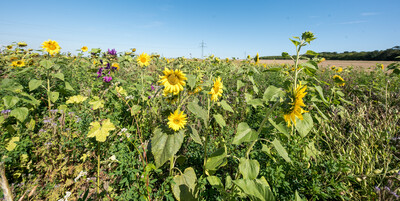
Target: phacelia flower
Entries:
(112, 52)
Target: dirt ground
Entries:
(337, 63)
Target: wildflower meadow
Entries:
(128, 125)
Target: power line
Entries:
(202, 45)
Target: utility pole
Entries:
(202, 45)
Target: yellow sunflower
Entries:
(339, 70)
(177, 120)
(295, 109)
(115, 65)
(51, 47)
(339, 80)
(143, 59)
(9, 47)
(257, 58)
(84, 48)
(22, 44)
(19, 63)
(173, 81)
(216, 91)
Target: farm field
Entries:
(338, 63)
(110, 125)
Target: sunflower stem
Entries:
(260, 128)
(98, 171)
(171, 165)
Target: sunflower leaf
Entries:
(34, 84)
(281, 150)
(164, 146)
(184, 187)
(244, 134)
(20, 113)
(220, 120)
(198, 111)
(304, 126)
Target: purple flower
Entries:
(101, 61)
(377, 189)
(100, 72)
(152, 87)
(5, 111)
(107, 78)
(112, 52)
(108, 66)
(149, 97)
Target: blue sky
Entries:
(174, 28)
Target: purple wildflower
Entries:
(54, 111)
(5, 111)
(112, 52)
(107, 78)
(100, 72)
(377, 189)
(101, 61)
(46, 121)
(149, 97)
(108, 66)
(152, 87)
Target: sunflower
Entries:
(143, 59)
(339, 80)
(84, 48)
(177, 120)
(51, 47)
(9, 47)
(257, 58)
(19, 63)
(22, 44)
(115, 65)
(173, 81)
(216, 91)
(339, 70)
(295, 109)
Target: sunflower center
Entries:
(19, 62)
(176, 121)
(143, 59)
(173, 79)
(216, 89)
(52, 46)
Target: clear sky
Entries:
(174, 28)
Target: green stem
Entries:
(260, 128)
(206, 138)
(171, 165)
(295, 65)
(98, 174)
(48, 94)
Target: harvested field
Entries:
(327, 63)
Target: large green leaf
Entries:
(20, 113)
(54, 96)
(280, 126)
(215, 182)
(255, 102)
(195, 135)
(239, 84)
(272, 93)
(244, 134)
(191, 79)
(34, 84)
(59, 76)
(216, 160)
(164, 146)
(68, 86)
(184, 187)
(304, 126)
(321, 93)
(97, 103)
(220, 120)
(249, 168)
(226, 106)
(255, 189)
(281, 150)
(46, 63)
(198, 111)
(10, 101)
(311, 151)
